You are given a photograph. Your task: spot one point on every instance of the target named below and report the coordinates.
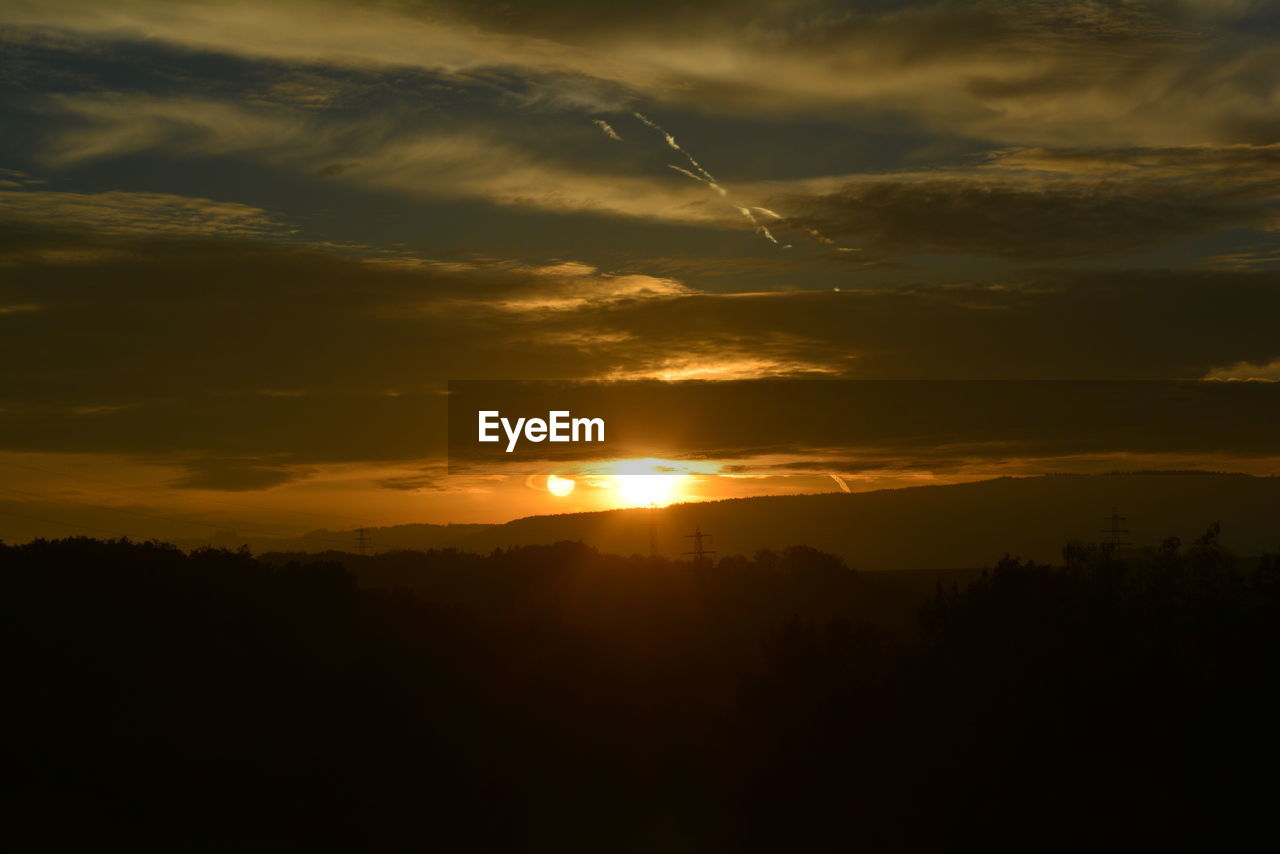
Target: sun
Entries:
(647, 490)
(559, 486)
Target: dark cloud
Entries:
(856, 425)
(1025, 221)
(333, 169)
(429, 478)
(1105, 324)
(239, 351)
(235, 475)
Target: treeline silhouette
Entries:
(556, 698)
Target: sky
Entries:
(245, 245)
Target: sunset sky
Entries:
(245, 245)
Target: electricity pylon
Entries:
(1115, 531)
(699, 553)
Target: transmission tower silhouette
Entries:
(363, 540)
(699, 553)
(1115, 532)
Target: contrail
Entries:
(838, 479)
(702, 176)
(607, 128)
(684, 171)
(760, 229)
(671, 141)
(813, 232)
(712, 184)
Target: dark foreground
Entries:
(553, 698)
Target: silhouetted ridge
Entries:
(881, 529)
(935, 526)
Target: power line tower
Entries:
(653, 530)
(1115, 532)
(699, 553)
(363, 540)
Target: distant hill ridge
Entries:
(918, 527)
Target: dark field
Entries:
(555, 698)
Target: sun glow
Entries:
(647, 490)
(559, 486)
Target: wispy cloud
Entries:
(1075, 72)
(140, 214)
(606, 129)
(1021, 204)
(1269, 372)
(433, 165)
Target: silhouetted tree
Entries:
(553, 697)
